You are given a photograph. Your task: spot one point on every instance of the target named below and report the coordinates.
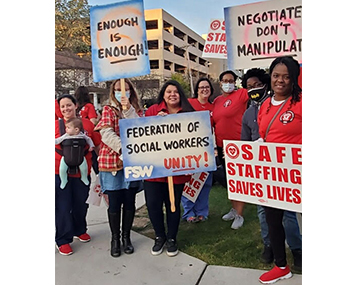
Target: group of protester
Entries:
(269, 95)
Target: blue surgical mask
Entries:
(118, 95)
(228, 87)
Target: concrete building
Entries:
(173, 47)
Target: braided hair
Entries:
(293, 68)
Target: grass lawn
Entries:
(214, 242)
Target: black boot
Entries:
(114, 220)
(297, 260)
(127, 222)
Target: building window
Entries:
(202, 61)
(192, 57)
(154, 64)
(179, 34)
(153, 44)
(167, 27)
(179, 68)
(201, 47)
(168, 46)
(191, 41)
(167, 65)
(179, 51)
(151, 25)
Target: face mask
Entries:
(228, 87)
(257, 94)
(118, 95)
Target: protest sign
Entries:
(162, 146)
(193, 187)
(119, 41)
(258, 32)
(215, 44)
(266, 174)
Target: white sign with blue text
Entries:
(171, 145)
(119, 41)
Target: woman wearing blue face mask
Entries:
(229, 108)
(110, 164)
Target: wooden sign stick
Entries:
(123, 91)
(171, 193)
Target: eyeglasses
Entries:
(228, 81)
(204, 87)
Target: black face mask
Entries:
(257, 94)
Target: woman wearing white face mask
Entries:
(227, 117)
(110, 165)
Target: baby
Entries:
(73, 131)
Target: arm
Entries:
(61, 139)
(110, 138)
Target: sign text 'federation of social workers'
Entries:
(161, 146)
(266, 174)
(258, 32)
(119, 41)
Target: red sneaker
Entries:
(65, 249)
(83, 238)
(275, 274)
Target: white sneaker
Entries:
(230, 216)
(238, 222)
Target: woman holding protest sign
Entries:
(199, 211)
(258, 83)
(228, 111)
(171, 100)
(70, 202)
(280, 121)
(110, 165)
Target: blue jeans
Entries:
(290, 224)
(201, 205)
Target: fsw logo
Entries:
(138, 171)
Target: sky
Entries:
(195, 14)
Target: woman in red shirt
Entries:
(280, 121)
(70, 202)
(85, 107)
(229, 109)
(171, 100)
(199, 211)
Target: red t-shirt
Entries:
(287, 127)
(194, 102)
(153, 111)
(58, 113)
(88, 111)
(88, 128)
(227, 115)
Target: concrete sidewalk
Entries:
(91, 262)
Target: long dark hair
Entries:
(184, 103)
(82, 97)
(133, 98)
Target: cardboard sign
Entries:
(161, 146)
(215, 44)
(193, 187)
(259, 32)
(119, 41)
(266, 174)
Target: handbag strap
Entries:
(274, 117)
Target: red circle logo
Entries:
(232, 151)
(215, 25)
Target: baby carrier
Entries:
(73, 150)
